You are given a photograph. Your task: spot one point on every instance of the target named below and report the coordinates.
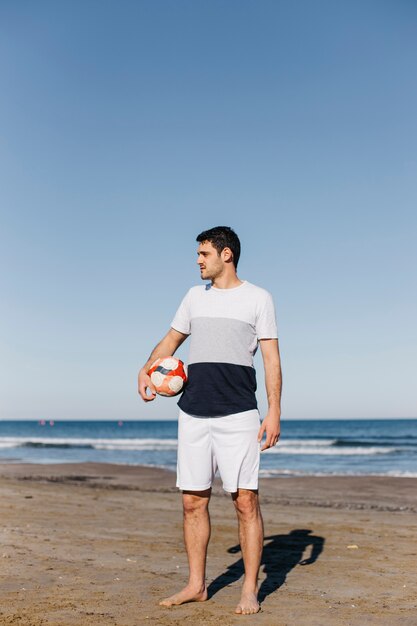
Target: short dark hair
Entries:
(222, 237)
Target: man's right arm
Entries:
(166, 347)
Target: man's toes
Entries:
(238, 609)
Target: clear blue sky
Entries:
(127, 127)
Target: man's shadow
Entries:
(280, 555)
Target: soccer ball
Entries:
(168, 376)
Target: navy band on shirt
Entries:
(217, 389)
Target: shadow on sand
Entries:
(280, 555)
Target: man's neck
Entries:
(226, 282)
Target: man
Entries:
(219, 424)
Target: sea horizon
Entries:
(130, 419)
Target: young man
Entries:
(219, 424)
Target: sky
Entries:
(128, 127)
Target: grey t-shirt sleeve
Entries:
(266, 323)
(182, 318)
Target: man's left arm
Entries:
(273, 383)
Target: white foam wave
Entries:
(269, 473)
(282, 448)
(136, 444)
(309, 442)
(285, 446)
(272, 473)
(99, 444)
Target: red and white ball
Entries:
(168, 375)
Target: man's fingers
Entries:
(271, 440)
(272, 434)
(143, 387)
(147, 397)
(150, 396)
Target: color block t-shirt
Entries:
(225, 326)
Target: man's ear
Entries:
(227, 255)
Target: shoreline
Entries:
(264, 472)
(352, 492)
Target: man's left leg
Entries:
(237, 452)
(251, 534)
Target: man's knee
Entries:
(246, 502)
(195, 502)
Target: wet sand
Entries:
(101, 544)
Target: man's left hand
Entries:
(270, 425)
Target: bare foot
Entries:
(248, 603)
(188, 594)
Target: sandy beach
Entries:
(101, 544)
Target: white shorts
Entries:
(228, 443)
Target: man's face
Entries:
(210, 263)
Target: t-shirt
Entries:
(225, 326)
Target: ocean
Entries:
(306, 447)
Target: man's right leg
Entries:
(196, 538)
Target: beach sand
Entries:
(102, 544)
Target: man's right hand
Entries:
(144, 383)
